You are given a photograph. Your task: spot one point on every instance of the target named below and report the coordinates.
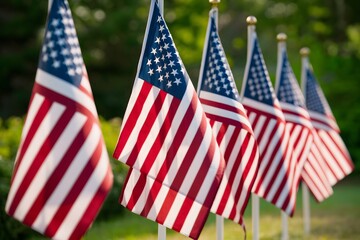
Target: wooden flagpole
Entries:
(255, 201)
(161, 228)
(304, 52)
(281, 38)
(219, 219)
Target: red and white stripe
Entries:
(62, 172)
(336, 156)
(314, 171)
(298, 121)
(170, 141)
(234, 135)
(273, 182)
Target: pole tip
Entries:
(304, 52)
(281, 37)
(214, 3)
(251, 20)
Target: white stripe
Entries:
(154, 131)
(314, 177)
(224, 100)
(339, 158)
(85, 197)
(129, 187)
(182, 151)
(68, 180)
(66, 89)
(169, 139)
(50, 164)
(323, 118)
(191, 218)
(140, 121)
(224, 113)
(33, 111)
(45, 128)
(158, 203)
(174, 211)
(311, 184)
(263, 107)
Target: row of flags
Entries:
(189, 152)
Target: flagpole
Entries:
(304, 52)
(219, 219)
(161, 228)
(255, 201)
(281, 38)
(49, 5)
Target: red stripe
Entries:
(228, 121)
(40, 157)
(221, 133)
(151, 197)
(223, 106)
(40, 115)
(143, 134)
(183, 213)
(75, 191)
(132, 119)
(166, 206)
(136, 191)
(199, 222)
(265, 114)
(160, 138)
(178, 138)
(93, 207)
(58, 174)
(342, 150)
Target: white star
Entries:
(218, 89)
(160, 49)
(225, 86)
(171, 64)
(45, 58)
(168, 55)
(174, 72)
(65, 51)
(153, 51)
(157, 40)
(50, 44)
(177, 81)
(163, 57)
(169, 84)
(61, 41)
(228, 92)
(166, 75)
(62, 11)
(148, 62)
(165, 66)
(44, 48)
(151, 72)
(158, 69)
(159, 19)
(78, 70)
(161, 28)
(58, 32)
(71, 72)
(157, 60)
(56, 64)
(166, 46)
(163, 37)
(48, 35)
(68, 61)
(55, 22)
(161, 78)
(53, 54)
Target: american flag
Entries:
(166, 140)
(273, 181)
(232, 130)
(332, 148)
(297, 118)
(62, 172)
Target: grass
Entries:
(335, 218)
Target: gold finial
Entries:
(281, 37)
(214, 3)
(251, 20)
(304, 51)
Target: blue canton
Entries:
(161, 65)
(313, 94)
(289, 90)
(258, 85)
(217, 77)
(61, 54)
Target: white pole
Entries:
(304, 52)
(161, 228)
(255, 207)
(281, 38)
(306, 209)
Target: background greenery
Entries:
(111, 33)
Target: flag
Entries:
(219, 97)
(62, 172)
(337, 159)
(273, 181)
(176, 164)
(297, 118)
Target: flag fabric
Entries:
(276, 164)
(219, 97)
(337, 159)
(176, 164)
(297, 118)
(62, 172)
